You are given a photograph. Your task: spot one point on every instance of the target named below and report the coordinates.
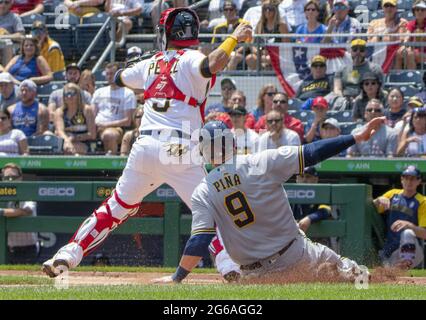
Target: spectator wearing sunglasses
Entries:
(23, 246)
(13, 142)
(312, 26)
(277, 134)
(384, 141)
(56, 98)
(413, 141)
(341, 22)
(29, 115)
(27, 7)
(130, 136)
(280, 104)
(264, 100)
(75, 121)
(371, 88)
(391, 23)
(49, 49)
(270, 23)
(317, 84)
(232, 21)
(409, 56)
(347, 81)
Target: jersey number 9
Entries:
(236, 204)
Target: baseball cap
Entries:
(134, 50)
(320, 102)
(5, 77)
(73, 66)
(416, 101)
(411, 171)
(239, 111)
(311, 171)
(392, 2)
(369, 76)
(358, 42)
(419, 4)
(228, 80)
(30, 84)
(331, 121)
(228, 3)
(319, 59)
(344, 2)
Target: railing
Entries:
(355, 226)
(87, 164)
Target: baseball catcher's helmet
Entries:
(178, 27)
(217, 142)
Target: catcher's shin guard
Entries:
(95, 229)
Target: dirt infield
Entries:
(381, 275)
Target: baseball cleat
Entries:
(232, 276)
(54, 268)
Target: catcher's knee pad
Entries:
(102, 222)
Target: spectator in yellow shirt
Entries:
(49, 48)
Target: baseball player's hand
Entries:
(369, 129)
(400, 225)
(243, 33)
(382, 202)
(163, 280)
(304, 224)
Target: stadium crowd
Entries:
(93, 115)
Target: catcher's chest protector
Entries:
(164, 87)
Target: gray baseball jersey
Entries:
(245, 199)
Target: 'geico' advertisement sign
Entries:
(301, 194)
(56, 191)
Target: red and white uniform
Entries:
(175, 92)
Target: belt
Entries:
(173, 133)
(271, 259)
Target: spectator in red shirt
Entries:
(414, 55)
(280, 103)
(27, 7)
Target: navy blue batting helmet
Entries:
(216, 142)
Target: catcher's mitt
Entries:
(134, 59)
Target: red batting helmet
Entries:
(178, 27)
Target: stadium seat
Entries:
(341, 116)
(408, 15)
(405, 5)
(47, 89)
(45, 144)
(28, 20)
(100, 17)
(407, 78)
(59, 76)
(354, 4)
(99, 75)
(294, 104)
(373, 5)
(304, 116)
(86, 32)
(409, 91)
(347, 127)
(373, 15)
